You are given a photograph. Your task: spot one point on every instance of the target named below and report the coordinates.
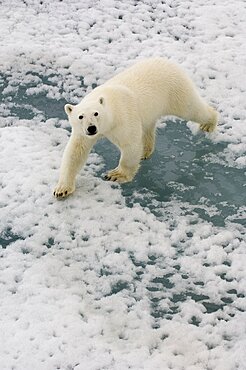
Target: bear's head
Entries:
(88, 118)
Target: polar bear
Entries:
(125, 110)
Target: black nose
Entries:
(92, 130)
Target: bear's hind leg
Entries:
(148, 142)
(210, 124)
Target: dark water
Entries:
(179, 159)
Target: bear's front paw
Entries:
(118, 175)
(62, 191)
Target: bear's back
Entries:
(152, 83)
(143, 74)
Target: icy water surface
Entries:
(178, 171)
(173, 255)
(179, 168)
(148, 275)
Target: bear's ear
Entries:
(102, 101)
(68, 108)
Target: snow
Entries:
(121, 277)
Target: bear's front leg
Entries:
(128, 164)
(74, 157)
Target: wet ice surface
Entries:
(147, 275)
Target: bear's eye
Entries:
(96, 114)
(81, 117)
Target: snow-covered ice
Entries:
(148, 275)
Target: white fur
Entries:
(127, 108)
